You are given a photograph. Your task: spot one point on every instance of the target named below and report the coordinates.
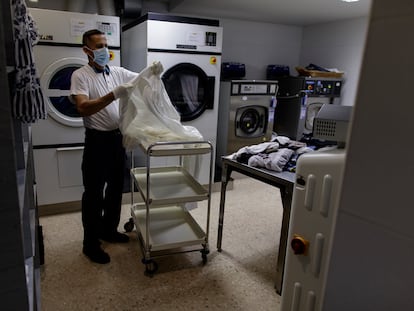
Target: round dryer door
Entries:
(55, 82)
(191, 91)
(312, 110)
(251, 121)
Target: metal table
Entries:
(283, 180)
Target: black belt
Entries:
(103, 133)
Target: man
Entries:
(95, 89)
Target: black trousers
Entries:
(103, 166)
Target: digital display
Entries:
(211, 38)
(253, 89)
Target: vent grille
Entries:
(325, 128)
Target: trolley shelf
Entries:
(171, 227)
(176, 148)
(168, 185)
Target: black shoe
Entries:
(116, 237)
(96, 254)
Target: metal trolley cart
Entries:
(163, 224)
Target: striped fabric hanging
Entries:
(28, 101)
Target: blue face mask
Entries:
(101, 56)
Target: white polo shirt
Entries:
(86, 81)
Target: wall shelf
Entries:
(19, 262)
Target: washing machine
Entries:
(58, 141)
(246, 112)
(190, 52)
(299, 100)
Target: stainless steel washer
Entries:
(246, 110)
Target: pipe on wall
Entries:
(101, 7)
(106, 7)
(75, 5)
(132, 8)
(124, 8)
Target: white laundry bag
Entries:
(147, 116)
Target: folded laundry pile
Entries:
(274, 161)
(278, 155)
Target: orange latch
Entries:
(299, 245)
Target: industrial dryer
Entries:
(58, 141)
(190, 51)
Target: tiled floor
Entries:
(241, 277)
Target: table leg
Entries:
(225, 176)
(286, 196)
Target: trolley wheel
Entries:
(150, 267)
(204, 255)
(129, 225)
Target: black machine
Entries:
(299, 100)
(232, 71)
(274, 72)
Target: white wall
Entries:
(260, 44)
(253, 43)
(372, 260)
(337, 45)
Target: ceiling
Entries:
(291, 12)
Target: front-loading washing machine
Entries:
(190, 51)
(246, 114)
(58, 141)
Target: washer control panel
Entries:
(321, 87)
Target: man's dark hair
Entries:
(88, 34)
